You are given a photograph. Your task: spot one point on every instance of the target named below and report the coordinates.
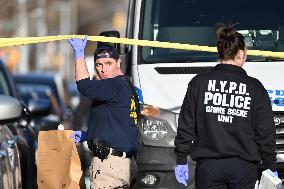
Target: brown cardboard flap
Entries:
(58, 163)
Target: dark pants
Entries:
(229, 173)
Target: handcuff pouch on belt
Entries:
(100, 149)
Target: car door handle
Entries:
(3, 153)
(12, 143)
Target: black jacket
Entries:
(226, 113)
(112, 116)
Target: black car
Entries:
(25, 136)
(42, 94)
(59, 95)
(10, 169)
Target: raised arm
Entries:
(78, 45)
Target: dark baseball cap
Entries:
(112, 52)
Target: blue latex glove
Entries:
(79, 136)
(181, 172)
(275, 174)
(78, 46)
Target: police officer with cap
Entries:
(112, 133)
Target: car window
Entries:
(1, 91)
(4, 89)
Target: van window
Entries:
(194, 22)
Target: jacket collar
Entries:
(230, 68)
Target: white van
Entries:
(161, 75)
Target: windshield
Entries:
(194, 22)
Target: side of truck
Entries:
(161, 75)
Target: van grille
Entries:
(279, 123)
(183, 70)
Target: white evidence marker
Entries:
(60, 127)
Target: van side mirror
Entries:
(10, 109)
(113, 33)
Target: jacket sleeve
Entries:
(101, 90)
(186, 131)
(265, 130)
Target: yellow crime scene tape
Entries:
(5, 42)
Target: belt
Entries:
(121, 154)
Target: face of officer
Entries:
(108, 67)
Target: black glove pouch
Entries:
(100, 149)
